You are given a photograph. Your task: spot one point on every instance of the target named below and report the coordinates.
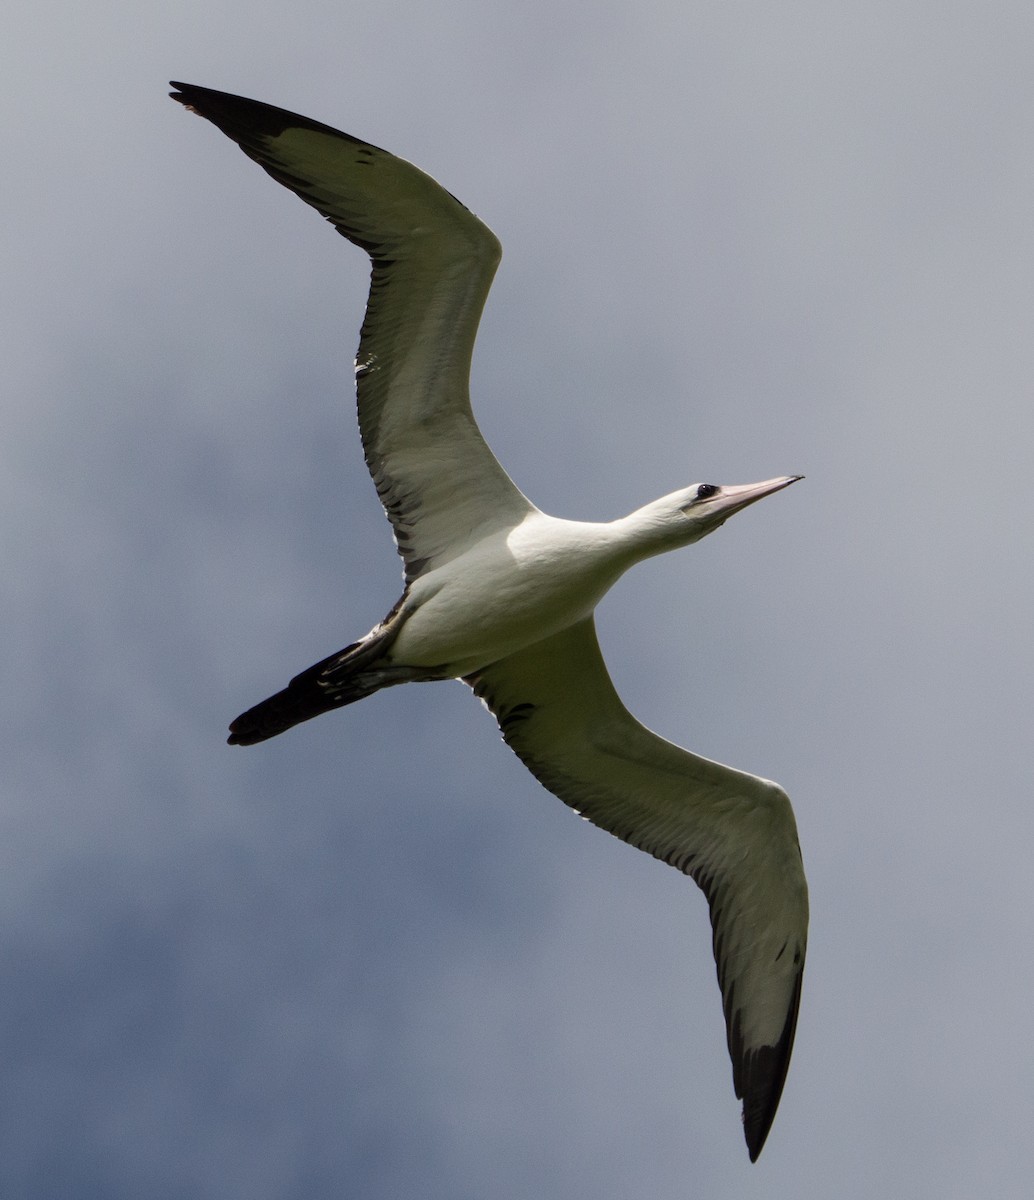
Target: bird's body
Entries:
(514, 588)
(501, 595)
(510, 590)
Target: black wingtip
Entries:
(183, 91)
(764, 1075)
(768, 1071)
(240, 118)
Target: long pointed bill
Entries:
(730, 500)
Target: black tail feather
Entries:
(353, 673)
(312, 692)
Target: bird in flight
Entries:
(501, 595)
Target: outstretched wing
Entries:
(433, 263)
(733, 833)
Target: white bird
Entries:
(502, 596)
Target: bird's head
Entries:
(686, 516)
(709, 505)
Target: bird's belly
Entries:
(480, 616)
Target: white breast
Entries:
(508, 591)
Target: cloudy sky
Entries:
(373, 958)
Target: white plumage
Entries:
(501, 595)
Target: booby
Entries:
(501, 595)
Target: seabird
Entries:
(502, 596)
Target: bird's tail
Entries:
(343, 678)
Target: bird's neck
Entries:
(655, 528)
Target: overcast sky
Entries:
(373, 958)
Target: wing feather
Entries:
(433, 265)
(732, 832)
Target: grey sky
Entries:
(373, 958)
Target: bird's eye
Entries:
(706, 490)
